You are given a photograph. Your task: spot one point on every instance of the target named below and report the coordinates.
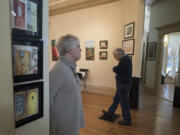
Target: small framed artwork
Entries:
(103, 55)
(151, 51)
(103, 44)
(20, 105)
(129, 30)
(27, 18)
(55, 53)
(128, 46)
(90, 55)
(27, 60)
(28, 103)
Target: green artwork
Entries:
(90, 50)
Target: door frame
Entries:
(171, 28)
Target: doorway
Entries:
(170, 65)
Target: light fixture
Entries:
(56, 2)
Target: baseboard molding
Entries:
(149, 91)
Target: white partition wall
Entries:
(6, 82)
(41, 126)
(7, 126)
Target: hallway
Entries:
(154, 117)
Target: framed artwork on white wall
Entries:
(151, 51)
(103, 55)
(129, 30)
(28, 102)
(128, 46)
(27, 60)
(103, 44)
(27, 18)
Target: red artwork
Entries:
(19, 9)
(55, 54)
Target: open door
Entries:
(170, 65)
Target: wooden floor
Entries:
(154, 117)
(167, 91)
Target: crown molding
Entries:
(79, 6)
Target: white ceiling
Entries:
(54, 4)
(57, 4)
(62, 6)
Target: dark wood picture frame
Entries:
(101, 57)
(129, 30)
(35, 68)
(24, 89)
(102, 43)
(130, 49)
(18, 32)
(90, 54)
(151, 51)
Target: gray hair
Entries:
(119, 51)
(66, 43)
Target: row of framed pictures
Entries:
(27, 66)
(128, 47)
(103, 55)
(128, 44)
(27, 18)
(28, 102)
(27, 57)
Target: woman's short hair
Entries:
(119, 51)
(66, 43)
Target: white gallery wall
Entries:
(104, 22)
(6, 80)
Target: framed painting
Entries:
(151, 51)
(90, 55)
(103, 44)
(128, 46)
(27, 60)
(103, 55)
(20, 105)
(28, 102)
(27, 18)
(129, 30)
